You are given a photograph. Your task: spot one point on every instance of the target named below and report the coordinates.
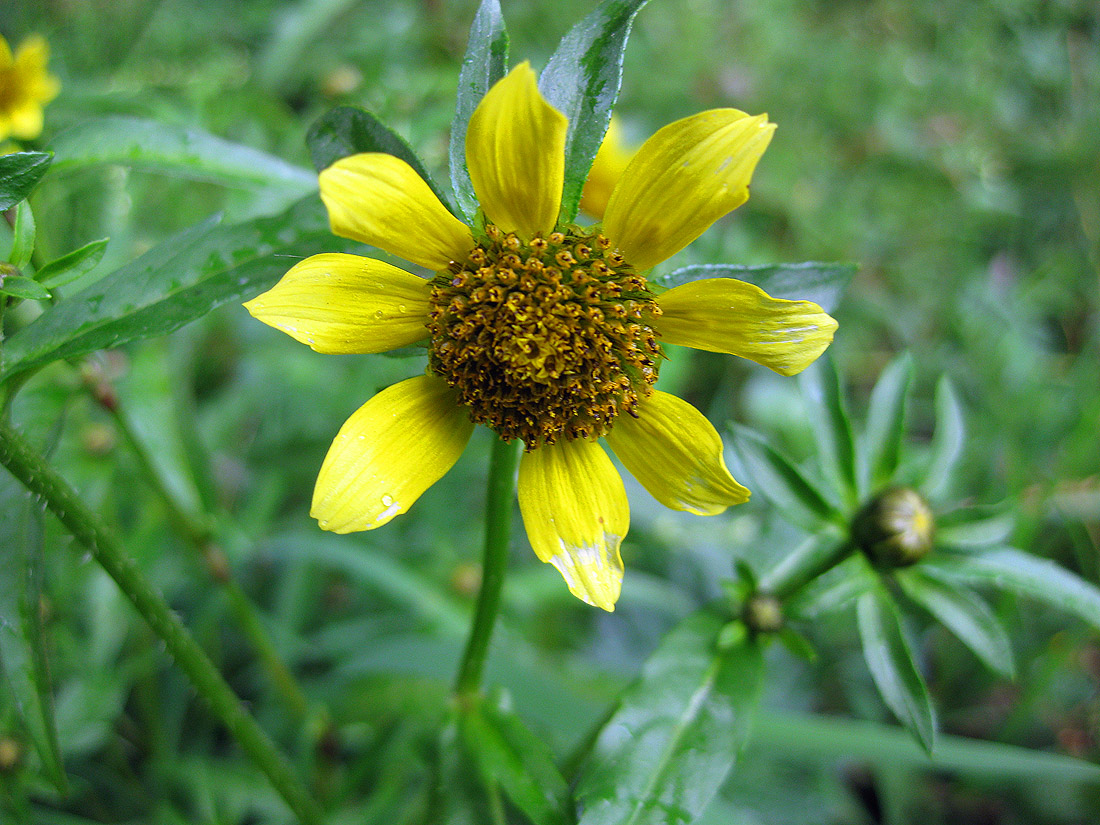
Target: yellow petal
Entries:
(683, 179)
(388, 453)
(607, 168)
(676, 454)
(345, 303)
(575, 510)
(378, 199)
(515, 149)
(738, 318)
(33, 53)
(26, 121)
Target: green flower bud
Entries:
(895, 528)
(763, 614)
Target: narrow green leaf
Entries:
(1011, 569)
(176, 282)
(948, 441)
(829, 737)
(886, 424)
(835, 590)
(72, 265)
(781, 482)
(509, 754)
(890, 660)
(22, 287)
(20, 172)
(832, 427)
(963, 613)
(22, 242)
(582, 80)
(485, 62)
(667, 749)
(822, 283)
(980, 532)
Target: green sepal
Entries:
(508, 754)
(20, 172)
(889, 657)
(822, 283)
(962, 612)
(485, 62)
(19, 286)
(668, 747)
(582, 80)
(832, 427)
(22, 242)
(72, 265)
(948, 440)
(797, 644)
(885, 429)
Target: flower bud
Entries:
(894, 528)
(763, 614)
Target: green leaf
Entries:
(828, 738)
(890, 660)
(824, 284)
(886, 423)
(24, 667)
(509, 754)
(948, 441)
(298, 27)
(1011, 569)
(835, 590)
(581, 80)
(177, 150)
(977, 533)
(22, 243)
(781, 482)
(668, 747)
(176, 282)
(485, 62)
(963, 613)
(20, 172)
(21, 287)
(72, 265)
(832, 427)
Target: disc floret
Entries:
(547, 338)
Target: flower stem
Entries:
(499, 495)
(42, 480)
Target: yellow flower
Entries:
(542, 332)
(25, 87)
(607, 167)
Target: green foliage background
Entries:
(950, 149)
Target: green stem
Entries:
(500, 494)
(42, 480)
(802, 565)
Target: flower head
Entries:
(544, 332)
(25, 87)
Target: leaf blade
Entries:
(20, 172)
(832, 427)
(948, 440)
(886, 423)
(72, 265)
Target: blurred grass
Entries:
(950, 149)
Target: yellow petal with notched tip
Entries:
(676, 454)
(378, 199)
(683, 179)
(388, 453)
(575, 510)
(346, 304)
(738, 318)
(515, 150)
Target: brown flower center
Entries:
(545, 339)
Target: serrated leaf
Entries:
(72, 265)
(22, 242)
(1011, 569)
(485, 62)
(781, 481)
(822, 283)
(948, 441)
(19, 286)
(581, 80)
(963, 613)
(177, 150)
(177, 281)
(886, 424)
(832, 427)
(890, 660)
(20, 172)
(509, 754)
(669, 746)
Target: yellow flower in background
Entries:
(25, 87)
(607, 167)
(542, 332)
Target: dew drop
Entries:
(379, 314)
(387, 501)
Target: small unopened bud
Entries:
(10, 754)
(894, 528)
(763, 614)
